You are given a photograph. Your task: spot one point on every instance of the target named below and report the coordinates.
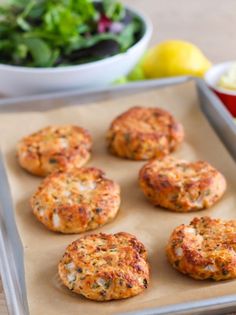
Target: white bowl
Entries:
(212, 77)
(16, 80)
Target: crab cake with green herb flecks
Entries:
(181, 186)
(53, 148)
(204, 249)
(76, 200)
(105, 267)
(143, 133)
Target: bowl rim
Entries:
(225, 65)
(148, 28)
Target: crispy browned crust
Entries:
(76, 200)
(105, 267)
(144, 133)
(204, 249)
(53, 148)
(182, 186)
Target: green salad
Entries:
(52, 33)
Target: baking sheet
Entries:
(43, 249)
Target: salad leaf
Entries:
(62, 21)
(91, 41)
(21, 51)
(39, 50)
(127, 37)
(86, 9)
(23, 24)
(19, 3)
(114, 10)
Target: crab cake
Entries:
(181, 186)
(76, 200)
(53, 148)
(105, 267)
(143, 133)
(204, 249)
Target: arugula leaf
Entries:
(39, 50)
(18, 3)
(4, 29)
(85, 9)
(23, 24)
(28, 8)
(22, 51)
(91, 41)
(127, 36)
(114, 10)
(60, 20)
(4, 44)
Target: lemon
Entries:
(228, 79)
(174, 58)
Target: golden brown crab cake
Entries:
(143, 133)
(181, 186)
(204, 249)
(105, 267)
(53, 148)
(76, 200)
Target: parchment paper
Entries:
(43, 249)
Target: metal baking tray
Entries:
(11, 250)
